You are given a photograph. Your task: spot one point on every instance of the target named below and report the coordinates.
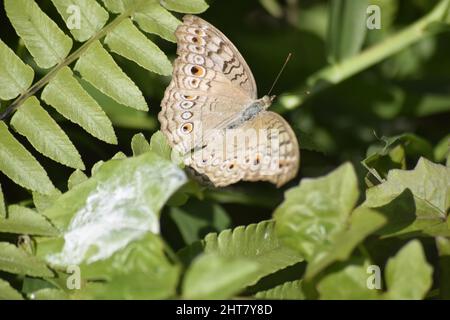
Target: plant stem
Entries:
(333, 74)
(71, 58)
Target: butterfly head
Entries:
(266, 101)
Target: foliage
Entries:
(111, 214)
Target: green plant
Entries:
(136, 227)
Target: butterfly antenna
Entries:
(279, 73)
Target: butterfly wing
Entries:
(211, 84)
(263, 148)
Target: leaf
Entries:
(20, 166)
(212, 276)
(139, 144)
(15, 76)
(160, 146)
(292, 290)
(192, 6)
(46, 42)
(315, 211)
(91, 17)
(68, 97)
(443, 246)
(23, 220)
(346, 29)
(129, 42)
(7, 292)
(197, 218)
(76, 178)
(408, 275)
(44, 134)
(363, 222)
(347, 281)
(139, 271)
(17, 261)
(118, 205)
(256, 242)
(393, 154)
(98, 67)
(442, 149)
(48, 294)
(2, 204)
(44, 201)
(428, 183)
(153, 18)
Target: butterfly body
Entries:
(212, 116)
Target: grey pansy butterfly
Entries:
(212, 116)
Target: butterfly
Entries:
(211, 115)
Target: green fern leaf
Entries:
(287, 291)
(76, 178)
(20, 166)
(47, 43)
(44, 201)
(23, 220)
(17, 261)
(7, 292)
(98, 67)
(139, 144)
(130, 43)
(46, 136)
(15, 76)
(2, 204)
(92, 17)
(153, 18)
(257, 242)
(67, 96)
(183, 6)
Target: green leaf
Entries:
(15, 260)
(98, 67)
(192, 6)
(7, 292)
(20, 166)
(111, 209)
(428, 183)
(46, 136)
(347, 281)
(2, 204)
(443, 246)
(198, 217)
(394, 152)
(292, 290)
(23, 220)
(129, 42)
(212, 276)
(442, 149)
(139, 144)
(91, 17)
(408, 275)
(346, 28)
(48, 294)
(47, 43)
(44, 201)
(76, 178)
(256, 242)
(69, 98)
(153, 18)
(363, 222)
(139, 271)
(315, 211)
(160, 146)
(15, 76)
